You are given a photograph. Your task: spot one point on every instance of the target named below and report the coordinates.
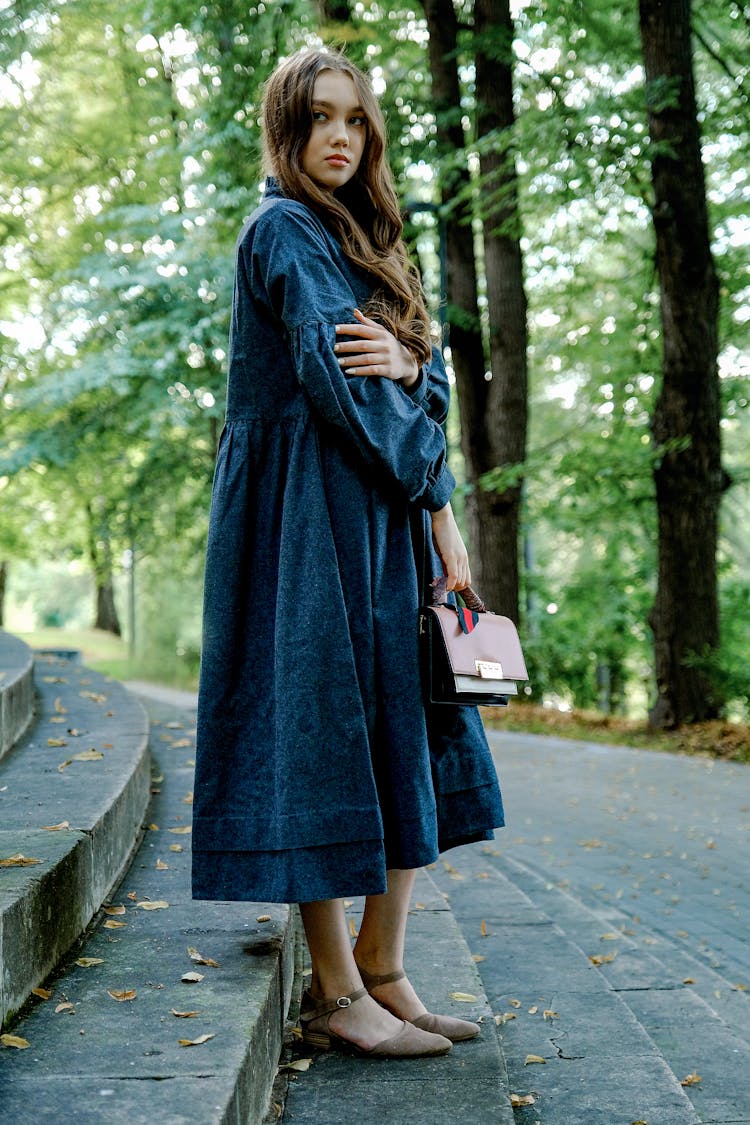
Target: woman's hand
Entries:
(450, 546)
(376, 351)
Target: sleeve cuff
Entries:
(440, 492)
(418, 389)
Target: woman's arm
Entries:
(450, 546)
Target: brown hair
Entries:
(364, 214)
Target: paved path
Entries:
(639, 860)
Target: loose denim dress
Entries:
(318, 765)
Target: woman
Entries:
(320, 773)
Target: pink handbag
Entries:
(479, 664)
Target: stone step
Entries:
(102, 1059)
(16, 690)
(74, 820)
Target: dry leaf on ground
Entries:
(518, 1100)
(691, 1080)
(122, 994)
(533, 1059)
(195, 1042)
(87, 962)
(14, 1041)
(161, 865)
(65, 1006)
(42, 993)
(56, 827)
(515, 1003)
(549, 1014)
(59, 707)
(199, 959)
(263, 918)
(114, 909)
(464, 997)
(602, 959)
(191, 978)
(183, 830)
(111, 924)
(19, 860)
(477, 957)
(185, 1015)
(147, 904)
(297, 1064)
(57, 742)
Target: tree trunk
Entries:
(3, 587)
(505, 420)
(100, 556)
(462, 313)
(689, 482)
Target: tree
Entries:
(685, 425)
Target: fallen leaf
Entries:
(188, 800)
(111, 924)
(195, 1042)
(96, 696)
(740, 987)
(689, 980)
(54, 680)
(549, 1014)
(175, 847)
(125, 994)
(160, 904)
(610, 937)
(132, 895)
(298, 1064)
(183, 830)
(691, 1080)
(59, 708)
(57, 719)
(57, 827)
(515, 1003)
(533, 1011)
(419, 906)
(482, 875)
(263, 918)
(602, 959)
(157, 780)
(57, 742)
(42, 993)
(19, 860)
(161, 865)
(174, 725)
(590, 844)
(533, 1059)
(87, 962)
(152, 828)
(353, 929)
(517, 1100)
(505, 1017)
(184, 1015)
(483, 928)
(14, 1041)
(90, 755)
(191, 978)
(477, 957)
(114, 909)
(200, 960)
(65, 1006)
(464, 997)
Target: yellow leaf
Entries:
(185, 830)
(602, 959)
(477, 957)
(590, 844)
(549, 1014)
(111, 924)
(691, 1080)
(114, 910)
(161, 865)
(515, 1003)
(132, 895)
(57, 827)
(42, 993)
(200, 960)
(65, 1006)
(184, 1015)
(353, 929)
(419, 906)
(191, 978)
(689, 980)
(54, 680)
(505, 1017)
(87, 962)
(740, 987)
(518, 1100)
(464, 997)
(298, 1064)
(152, 827)
(57, 742)
(91, 755)
(533, 1011)
(180, 743)
(95, 695)
(14, 1041)
(175, 847)
(59, 707)
(188, 800)
(483, 928)
(19, 860)
(156, 780)
(533, 1059)
(125, 994)
(263, 918)
(195, 1042)
(610, 937)
(160, 904)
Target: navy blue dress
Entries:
(318, 766)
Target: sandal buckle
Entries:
(344, 1002)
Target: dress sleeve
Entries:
(291, 268)
(432, 390)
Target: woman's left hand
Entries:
(376, 351)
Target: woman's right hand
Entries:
(450, 546)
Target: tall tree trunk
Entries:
(505, 420)
(3, 588)
(100, 556)
(464, 327)
(689, 481)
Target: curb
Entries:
(16, 690)
(78, 820)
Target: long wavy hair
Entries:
(364, 214)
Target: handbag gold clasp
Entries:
(488, 670)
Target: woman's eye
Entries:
(318, 115)
(357, 120)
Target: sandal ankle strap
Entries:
(327, 1005)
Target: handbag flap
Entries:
(494, 640)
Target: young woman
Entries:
(320, 771)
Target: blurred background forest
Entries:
(129, 158)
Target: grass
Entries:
(716, 738)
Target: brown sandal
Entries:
(449, 1026)
(409, 1042)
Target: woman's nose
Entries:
(339, 132)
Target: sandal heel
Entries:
(317, 1039)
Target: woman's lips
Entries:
(337, 161)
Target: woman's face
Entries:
(334, 149)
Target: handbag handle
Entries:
(472, 600)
